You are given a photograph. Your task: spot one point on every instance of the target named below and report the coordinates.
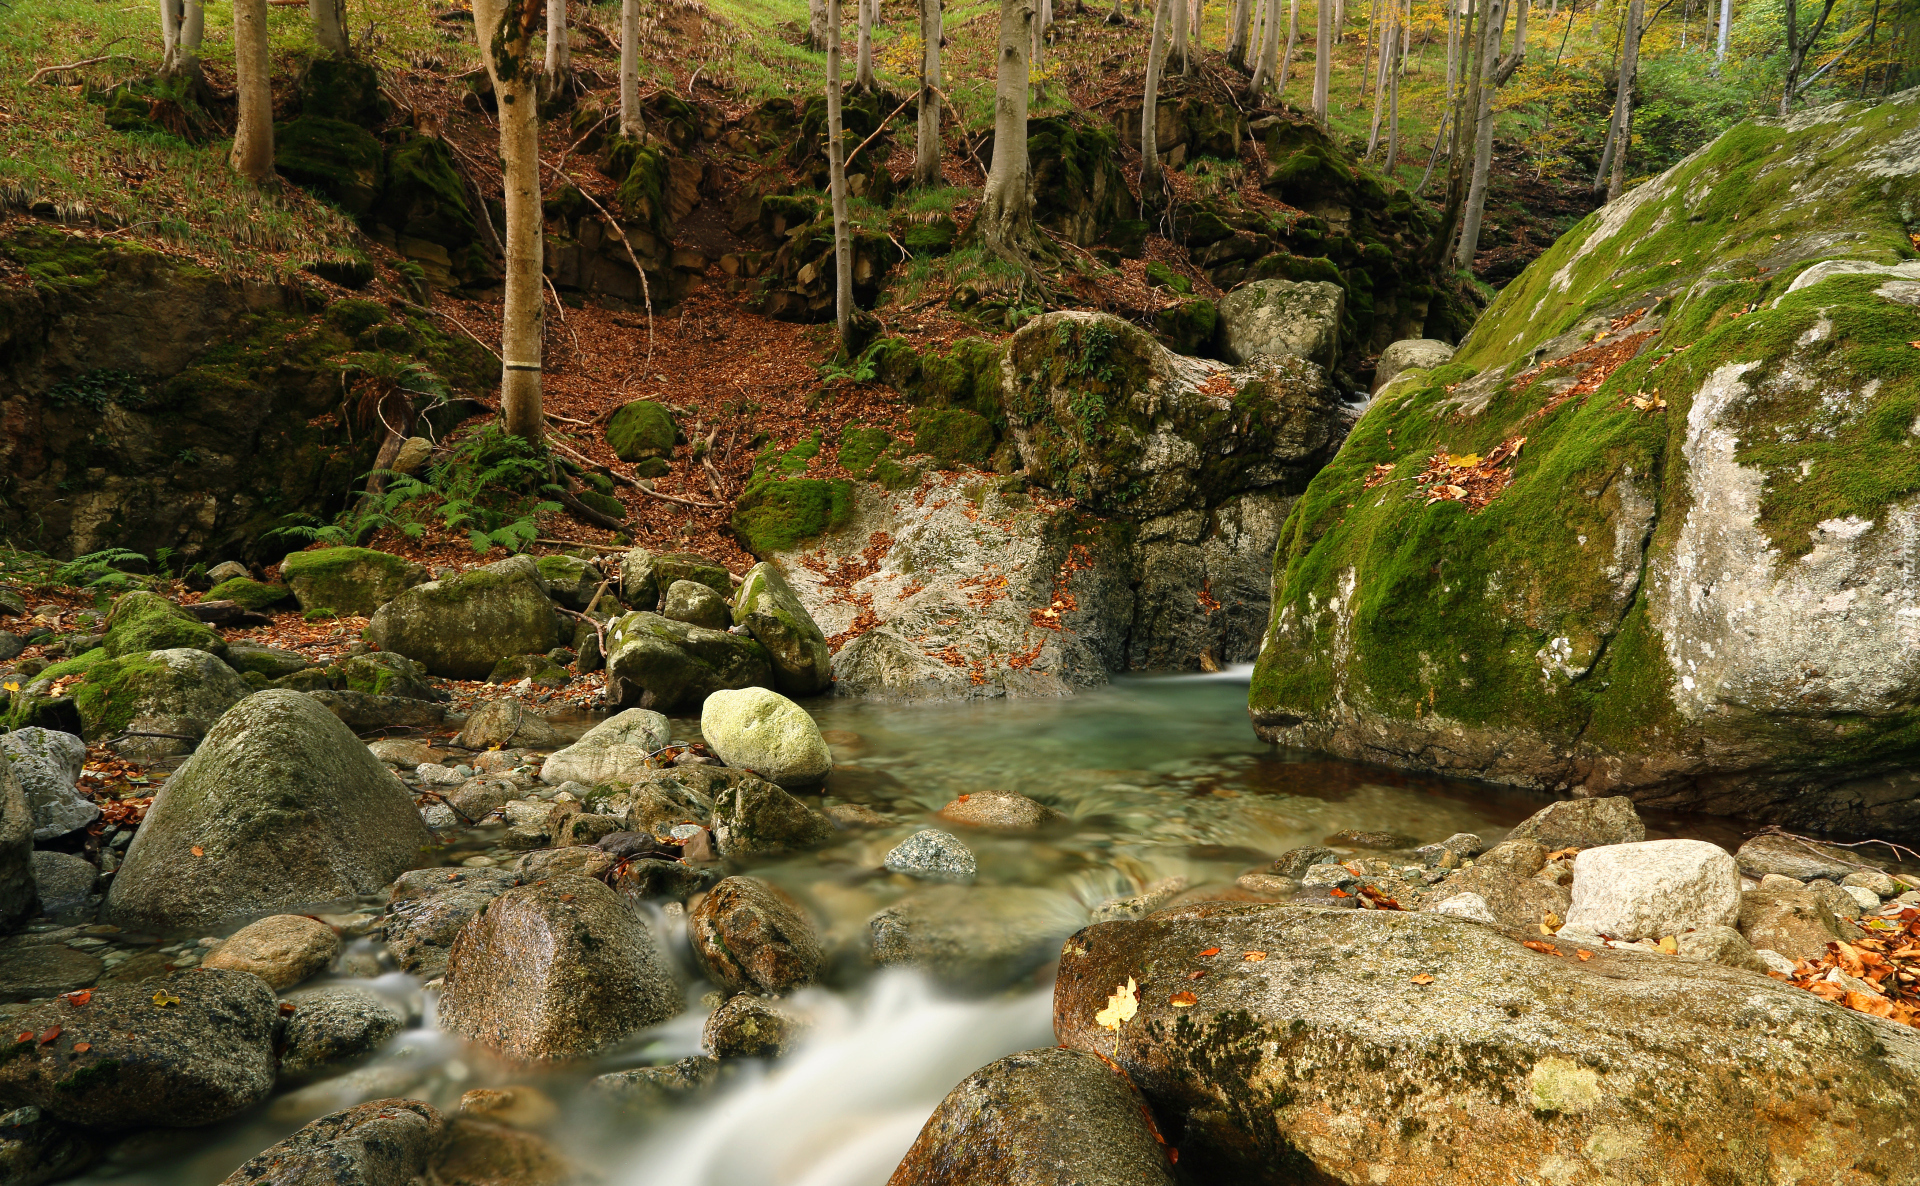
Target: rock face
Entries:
(378, 1143)
(1671, 603)
(1291, 1068)
(280, 806)
(615, 750)
(48, 763)
(1048, 1117)
(750, 936)
(191, 1049)
(555, 971)
(350, 580)
(462, 626)
(281, 949)
(773, 615)
(658, 663)
(760, 730)
(1301, 318)
(1654, 889)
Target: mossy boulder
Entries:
(607, 504)
(644, 576)
(185, 686)
(541, 670)
(1078, 186)
(462, 626)
(383, 673)
(249, 593)
(350, 580)
(571, 581)
(658, 663)
(641, 429)
(141, 621)
(773, 516)
(1689, 586)
(343, 89)
(1283, 317)
(271, 662)
(775, 617)
(953, 437)
(424, 197)
(1189, 326)
(333, 158)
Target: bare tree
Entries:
(1269, 47)
(1495, 69)
(1623, 96)
(1721, 34)
(330, 25)
(1797, 48)
(926, 157)
(817, 25)
(559, 51)
(1393, 89)
(837, 184)
(182, 24)
(505, 29)
(1237, 31)
(630, 124)
(1150, 107)
(863, 54)
(1466, 104)
(1286, 60)
(1005, 218)
(253, 137)
(1384, 23)
(1322, 57)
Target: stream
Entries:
(1158, 777)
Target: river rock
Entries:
(1047, 1117)
(65, 885)
(281, 805)
(696, 605)
(429, 906)
(649, 1089)
(554, 972)
(1001, 810)
(281, 949)
(477, 798)
(1802, 860)
(505, 723)
(272, 662)
(755, 818)
(760, 730)
(48, 764)
(1467, 905)
(748, 1027)
(461, 626)
(379, 1143)
(330, 1028)
(141, 621)
(31, 967)
(364, 712)
(768, 607)
(35, 1149)
(1583, 823)
(1653, 889)
(1873, 881)
(656, 662)
(645, 577)
(484, 1154)
(1836, 901)
(932, 855)
(197, 1050)
(185, 687)
(1295, 862)
(974, 938)
(403, 753)
(615, 750)
(1505, 878)
(748, 935)
(572, 581)
(1409, 354)
(1718, 945)
(1395, 1038)
(583, 860)
(657, 878)
(384, 673)
(1301, 318)
(354, 581)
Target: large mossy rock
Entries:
(350, 580)
(184, 686)
(658, 663)
(767, 607)
(335, 159)
(462, 626)
(1381, 1046)
(641, 429)
(140, 622)
(1691, 585)
(281, 806)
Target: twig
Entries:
(558, 166)
(577, 543)
(43, 71)
(555, 416)
(633, 482)
(598, 630)
(581, 510)
(876, 131)
(645, 291)
(1815, 846)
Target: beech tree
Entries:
(1797, 48)
(1269, 49)
(1495, 69)
(926, 155)
(505, 29)
(1180, 36)
(182, 24)
(559, 54)
(1622, 134)
(817, 25)
(1466, 104)
(330, 25)
(1322, 56)
(863, 60)
(1237, 32)
(1150, 107)
(1005, 219)
(630, 124)
(837, 173)
(1286, 59)
(253, 137)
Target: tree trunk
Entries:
(506, 30)
(1322, 57)
(1466, 105)
(1623, 99)
(1720, 40)
(1237, 30)
(1180, 35)
(1379, 79)
(559, 52)
(1496, 69)
(863, 56)
(817, 25)
(1366, 46)
(837, 174)
(1797, 49)
(253, 138)
(1269, 48)
(1005, 218)
(1286, 61)
(182, 23)
(1150, 107)
(330, 26)
(170, 16)
(630, 124)
(926, 159)
(1393, 87)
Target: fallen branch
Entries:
(43, 71)
(633, 482)
(575, 543)
(1814, 846)
(581, 510)
(869, 140)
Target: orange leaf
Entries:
(1184, 1000)
(198, 851)
(1546, 948)
(50, 1035)
(1584, 955)
(1254, 957)
(77, 999)
(1211, 951)
(1423, 978)
(82, 1047)
(1196, 974)
(24, 1036)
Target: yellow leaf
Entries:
(13, 685)
(1670, 945)
(1123, 1004)
(1463, 460)
(1423, 978)
(163, 998)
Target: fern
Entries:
(96, 570)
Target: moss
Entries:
(1162, 276)
(775, 516)
(1189, 326)
(343, 89)
(142, 622)
(641, 194)
(544, 672)
(424, 196)
(953, 437)
(354, 317)
(113, 690)
(860, 448)
(640, 429)
(52, 259)
(606, 504)
(931, 238)
(249, 593)
(98, 1074)
(333, 158)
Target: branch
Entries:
(37, 75)
(876, 132)
(581, 510)
(633, 482)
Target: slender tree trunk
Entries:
(1269, 50)
(1380, 76)
(1466, 105)
(330, 26)
(253, 138)
(863, 60)
(1322, 57)
(1237, 29)
(1723, 33)
(170, 17)
(1797, 49)
(1393, 96)
(1496, 69)
(1366, 44)
(1286, 61)
(506, 30)
(182, 23)
(559, 52)
(817, 25)
(837, 173)
(1623, 100)
(1150, 108)
(926, 159)
(630, 124)
(1180, 34)
(1005, 218)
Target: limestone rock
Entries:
(1002, 810)
(1653, 889)
(760, 730)
(747, 1027)
(748, 935)
(755, 818)
(1301, 318)
(696, 605)
(932, 855)
(364, 711)
(646, 577)
(379, 1143)
(656, 662)
(1409, 354)
(284, 806)
(141, 621)
(1583, 823)
(1719, 945)
(429, 906)
(48, 764)
(974, 938)
(281, 949)
(332, 1027)
(460, 627)
(572, 581)
(767, 606)
(354, 581)
(615, 750)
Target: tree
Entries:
(1322, 57)
(1797, 48)
(1269, 47)
(330, 26)
(1005, 219)
(1721, 34)
(182, 23)
(1389, 32)
(1286, 60)
(253, 137)
(926, 156)
(837, 173)
(1180, 35)
(863, 57)
(505, 29)
(1150, 108)
(559, 53)
(1466, 104)
(817, 25)
(1495, 69)
(1237, 32)
(630, 124)
(1623, 96)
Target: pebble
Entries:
(932, 855)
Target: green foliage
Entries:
(98, 388)
(101, 570)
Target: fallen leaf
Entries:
(1184, 1000)
(163, 998)
(1211, 951)
(1121, 1005)
(1254, 957)
(50, 1035)
(1584, 955)
(1195, 975)
(77, 999)
(1423, 978)
(82, 1047)
(1670, 945)
(1544, 948)
(198, 851)
(24, 1036)
(1337, 892)
(1463, 460)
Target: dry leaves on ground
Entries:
(1469, 477)
(1879, 974)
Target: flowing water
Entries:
(1157, 776)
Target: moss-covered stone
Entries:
(1189, 326)
(953, 437)
(249, 593)
(331, 157)
(606, 504)
(142, 622)
(424, 197)
(382, 673)
(179, 685)
(349, 580)
(658, 663)
(773, 516)
(775, 617)
(570, 580)
(1078, 186)
(462, 626)
(1162, 276)
(544, 672)
(932, 237)
(343, 89)
(641, 428)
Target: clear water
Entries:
(1158, 777)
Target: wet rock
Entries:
(767, 606)
(1342, 1011)
(1329, 876)
(281, 949)
(1874, 881)
(760, 730)
(1583, 823)
(508, 722)
(1409, 354)
(696, 605)
(1791, 922)
(755, 818)
(1802, 860)
(516, 1107)
(30, 969)
(272, 662)
(583, 829)
(615, 750)
(1718, 945)
(1295, 862)
(583, 860)
(65, 884)
(974, 938)
(280, 806)
(932, 855)
(854, 815)
(383, 673)
(539, 671)
(1002, 810)
(478, 798)
(1148, 900)
(428, 908)
(354, 581)
(379, 1143)
(48, 764)
(477, 1153)
(331, 1028)
(656, 662)
(460, 627)
(1277, 317)
(141, 621)
(643, 879)
(645, 577)
(1047, 1117)
(555, 972)
(364, 712)
(650, 1089)
(748, 1027)
(402, 752)
(1653, 889)
(1354, 838)
(748, 935)
(35, 1149)
(1452, 852)
(197, 1051)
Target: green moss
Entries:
(860, 448)
(1162, 276)
(249, 593)
(606, 504)
(641, 194)
(354, 317)
(1188, 326)
(331, 157)
(953, 437)
(640, 429)
(142, 622)
(78, 665)
(54, 260)
(934, 237)
(775, 516)
(424, 196)
(98, 1074)
(343, 89)
(112, 692)
(351, 580)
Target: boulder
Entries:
(649, 1089)
(486, 1154)
(1506, 880)
(1000, 810)
(65, 885)
(379, 1143)
(748, 935)
(656, 662)
(760, 730)
(640, 429)
(1802, 860)
(271, 662)
(187, 1050)
(141, 621)
(1583, 823)
(365, 712)
(330, 1028)
(383, 673)
(1278, 317)
(281, 805)
(1295, 862)
(507, 723)
(615, 750)
(354, 581)
(186, 687)
(248, 594)
(554, 972)
(932, 855)
(35, 1149)
(755, 818)
(974, 938)
(17, 896)
(1653, 889)
(31, 967)
(478, 798)
(1409, 354)
(1718, 945)
(539, 671)
(48, 764)
(429, 906)
(1381, 1046)
(767, 606)
(696, 605)
(1047, 1117)
(1467, 905)
(747, 1027)
(1791, 922)
(645, 577)
(281, 949)
(572, 581)
(461, 626)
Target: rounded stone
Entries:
(760, 730)
(378, 1143)
(750, 936)
(748, 1027)
(1004, 810)
(695, 604)
(932, 855)
(331, 1027)
(282, 949)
